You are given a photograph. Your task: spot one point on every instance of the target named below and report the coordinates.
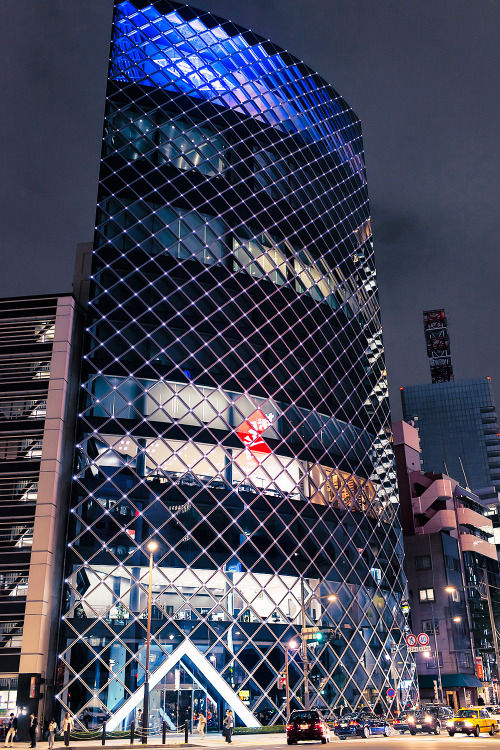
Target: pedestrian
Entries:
(11, 731)
(33, 726)
(52, 733)
(201, 724)
(228, 725)
(140, 728)
(67, 726)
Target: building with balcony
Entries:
(448, 540)
(38, 388)
(233, 394)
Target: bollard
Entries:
(163, 732)
(186, 732)
(132, 728)
(103, 741)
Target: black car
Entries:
(307, 725)
(401, 722)
(361, 724)
(429, 719)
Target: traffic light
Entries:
(317, 634)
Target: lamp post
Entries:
(151, 547)
(291, 645)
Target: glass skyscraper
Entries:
(233, 396)
(458, 428)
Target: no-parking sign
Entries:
(423, 639)
(391, 692)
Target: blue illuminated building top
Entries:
(170, 52)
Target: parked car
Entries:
(430, 719)
(472, 720)
(307, 725)
(361, 724)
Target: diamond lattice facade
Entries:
(233, 397)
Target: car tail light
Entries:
(289, 726)
(335, 723)
(354, 723)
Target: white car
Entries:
(495, 712)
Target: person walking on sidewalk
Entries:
(33, 726)
(11, 731)
(201, 724)
(228, 725)
(52, 733)
(67, 726)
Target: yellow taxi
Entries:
(472, 720)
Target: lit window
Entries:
(426, 595)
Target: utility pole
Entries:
(437, 654)
(493, 627)
(305, 662)
(395, 676)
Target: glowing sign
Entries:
(251, 430)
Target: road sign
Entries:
(411, 640)
(391, 692)
(423, 639)
(412, 649)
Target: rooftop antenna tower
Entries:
(438, 346)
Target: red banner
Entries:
(250, 432)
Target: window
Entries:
(452, 563)
(423, 562)
(426, 595)
(427, 627)
(464, 660)
(431, 663)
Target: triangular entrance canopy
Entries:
(188, 649)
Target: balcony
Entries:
(468, 517)
(471, 543)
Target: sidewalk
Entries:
(173, 739)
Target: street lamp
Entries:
(151, 547)
(291, 645)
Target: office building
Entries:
(233, 395)
(458, 428)
(452, 568)
(38, 386)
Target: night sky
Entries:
(423, 78)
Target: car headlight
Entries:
(411, 720)
(449, 723)
(468, 724)
(428, 719)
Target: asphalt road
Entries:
(278, 742)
